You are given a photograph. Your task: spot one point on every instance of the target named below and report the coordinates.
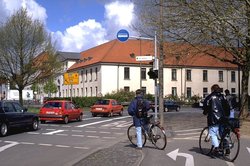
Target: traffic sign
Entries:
(122, 35)
(71, 78)
(144, 58)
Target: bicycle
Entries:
(229, 141)
(156, 134)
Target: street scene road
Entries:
(81, 143)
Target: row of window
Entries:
(188, 75)
(90, 75)
(92, 91)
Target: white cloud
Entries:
(80, 37)
(34, 9)
(87, 34)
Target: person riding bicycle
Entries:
(217, 109)
(138, 109)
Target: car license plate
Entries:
(99, 109)
(49, 112)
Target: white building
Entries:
(110, 67)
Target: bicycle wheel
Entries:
(231, 146)
(205, 144)
(158, 137)
(131, 132)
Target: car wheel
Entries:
(111, 114)
(165, 109)
(66, 119)
(35, 124)
(80, 117)
(177, 109)
(4, 129)
(121, 113)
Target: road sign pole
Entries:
(156, 89)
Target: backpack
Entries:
(140, 109)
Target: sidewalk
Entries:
(122, 154)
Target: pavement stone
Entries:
(122, 154)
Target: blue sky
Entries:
(77, 25)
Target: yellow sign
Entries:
(71, 78)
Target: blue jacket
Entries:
(132, 109)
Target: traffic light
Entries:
(153, 74)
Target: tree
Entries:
(50, 87)
(21, 40)
(222, 24)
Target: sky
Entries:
(77, 25)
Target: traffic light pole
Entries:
(156, 86)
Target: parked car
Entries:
(171, 105)
(167, 105)
(106, 107)
(13, 114)
(60, 110)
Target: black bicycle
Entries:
(156, 134)
(229, 145)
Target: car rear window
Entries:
(53, 105)
(102, 102)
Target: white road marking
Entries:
(230, 163)
(62, 146)
(50, 129)
(53, 132)
(45, 144)
(81, 147)
(189, 157)
(27, 143)
(177, 131)
(35, 133)
(91, 136)
(77, 135)
(62, 134)
(11, 144)
(189, 133)
(109, 137)
(104, 132)
(90, 131)
(89, 124)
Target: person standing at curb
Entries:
(230, 100)
(138, 109)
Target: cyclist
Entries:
(138, 109)
(217, 109)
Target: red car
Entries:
(107, 107)
(60, 110)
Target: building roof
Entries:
(116, 52)
(62, 56)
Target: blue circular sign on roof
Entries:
(122, 35)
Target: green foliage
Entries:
(50, 87)
(121, 96)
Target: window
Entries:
(66, 93)
(91, 92)
(205, 92)
(174, 91)
(233, 91)
(174, 75)
(189, 92)
(81, 76)
(232, 76)
(96, 73)
(77, 91)
(90, 75)
(18, 107)
(144, 89)
(126, 88)
(86, 75)
(188, 75)
(126, 73)
(143, 73)
(220, 76)
(96, 91)
(82, 91)
(204, 75)
(86, 91)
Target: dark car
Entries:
(171, 105)
(13, 114)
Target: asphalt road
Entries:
(60, 144)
